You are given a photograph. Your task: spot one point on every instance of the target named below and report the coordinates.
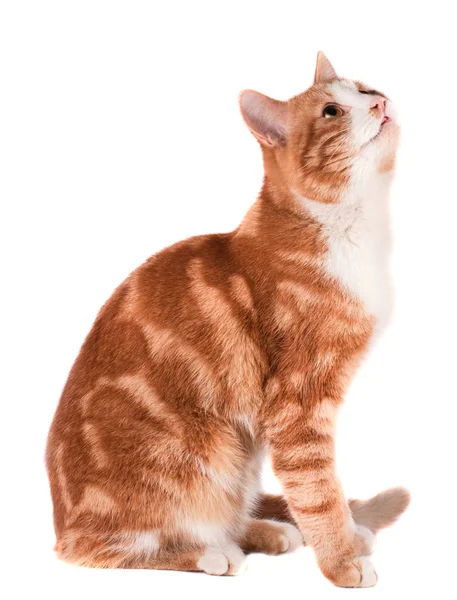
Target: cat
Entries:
(222, 348)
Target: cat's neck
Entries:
(363, 205)
(357, 233)
(362, 208)
(350, 239)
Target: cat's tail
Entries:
(382, 510)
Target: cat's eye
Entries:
(333, 110)
(364, 92)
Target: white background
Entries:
(120, 134)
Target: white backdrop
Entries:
(120, 134)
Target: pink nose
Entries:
(378, 105)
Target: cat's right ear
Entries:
(266, 118)
(324, 69)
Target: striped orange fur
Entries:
(224, 347)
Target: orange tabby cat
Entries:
(223, 347)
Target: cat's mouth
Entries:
(384, 122)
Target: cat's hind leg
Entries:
(270, 537)
(140, 550)
(272, 506)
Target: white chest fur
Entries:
(359, 241)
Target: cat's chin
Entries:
(388, 125)
(385, 126)
(389, 135)
(384, 144)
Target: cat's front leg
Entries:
(302, 450)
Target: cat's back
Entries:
(174, 329)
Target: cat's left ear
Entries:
(324, 69)
(265, 117)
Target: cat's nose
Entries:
(378, 106)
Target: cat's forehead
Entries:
(346, 92)
(341, 91)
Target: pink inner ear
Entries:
(265, 117)
(324, 69)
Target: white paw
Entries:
(367, 535)
(293, 537)
(229, 560)
(369, 576)
(237, 559)
(213, 562)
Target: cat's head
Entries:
(320, 141)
